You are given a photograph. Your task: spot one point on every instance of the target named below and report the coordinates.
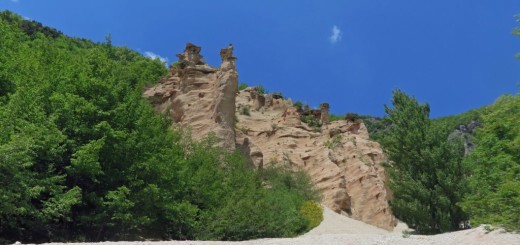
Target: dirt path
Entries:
(338, 229)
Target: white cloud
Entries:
(335, 35)
(154, 56)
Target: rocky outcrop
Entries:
(200, 96)
(340, 158)
(343, 162)
(466, 134)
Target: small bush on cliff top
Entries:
(353, 117)
(242, 86)
(260, 89)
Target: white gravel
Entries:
(338, 229)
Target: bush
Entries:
(334, 142)
(299, 105)
(312, 212)
(311, 120)
(333, 117)
(174, 64)
(242, 86)
(245, 111)
(252, 204)
(260, 89)
(352, 117)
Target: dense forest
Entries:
(83, 157)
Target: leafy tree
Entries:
(426, 174)
(495, 167)
(83, 157)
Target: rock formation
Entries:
(200, 96)
(341, 160)
(466, 133)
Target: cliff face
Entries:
(200, 96)
(341, 160)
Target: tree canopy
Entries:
(83, 157)
(426, 170)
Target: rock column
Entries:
(324, 109)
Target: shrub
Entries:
(299, 105)
(333, 117)
(353, 117)
(277, 95)
(312, 212)
(334, 141)
(174, 64)
(245, 111)
(311, 121)
(260, 89)
(242, 86)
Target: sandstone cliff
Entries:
(339, 156)
(200, 96)
(341, 160)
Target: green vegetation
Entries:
(299, 105)
(311, 120)
(83, 157)
(174, 64)
(377, 127)
(352, 117)
(260, 89)
(334, 117)
(312, 212)
(333, 142)
(465, 118)
(427, 174)
(242, 86)
(245, 111)
(495, 167)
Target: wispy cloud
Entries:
(154, 56)
(336, 34)
(14, 1)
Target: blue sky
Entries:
(455, 55)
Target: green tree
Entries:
(495, 167)
(84, 157)
(426, 174)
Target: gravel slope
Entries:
(338, 229)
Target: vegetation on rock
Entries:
(242, 86)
